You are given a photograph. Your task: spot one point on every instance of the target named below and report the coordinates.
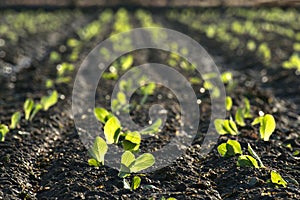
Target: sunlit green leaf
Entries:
(28, 106)
(276, 178)
(136, 181)
(126, 62)
(102, 114)
(219, 126)
(144, 161)
(153, 128)
(247, 109)
(3, 131)
(239, 117)
(231, 148)
(267, 127)
(37, 108)
(93, 162)
(228, 103)
(112, 130)
(48, 101)
(15, 119)
(247, 161)
(98, 150)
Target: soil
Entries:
(45, 159)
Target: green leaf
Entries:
(257, 120)
(136, 181)
(48, 101)
(231, 148)
(132, 141)
(267, 127)
(37, 108)
(222, 149)
(126, 62)
(247, 109)
(121, 98)
(112, 130)
(99, 150)
(254, 154)
(226, 77)
(15, 119)
(133, 137)
(219, 126)
(247, 161)
(239, 117)
(3, 131)
(148, 89)
(153, 128)
(94, 163)
(144, 161)
(28, 106)
(63, 68)
(277, 179)
(236, 146)
(102, 114)
(228, 103)
(127, 158)
(230, 127)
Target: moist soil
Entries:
(45, 159)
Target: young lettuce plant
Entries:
(130, 164)
(98, 151)
(277, 179)
(226, 126)
(250, 161)
(15, 119)
(267, 126)
(153, 128)
(48, 101)
(28, 106)
(230, 148)
(3, 131)
(146, 91)
(135, 183)
(228, 103)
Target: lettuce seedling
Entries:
(247, 161)
(98, 151)
(254, 154)
(112, 129)
(28, 106)
(239, 117)
(3, 131)
(267, 126)
(130, 164)
(15, 119)
(228, 103)
(146, 91)
(132, 141)
(230, 148)
(136, 181)
(48, 101)
(277, 179)
(153, 128)
(120, 103)
(102, 114)
(37, 108)
(226, 126)
(247, 109)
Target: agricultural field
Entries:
(256, 150)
